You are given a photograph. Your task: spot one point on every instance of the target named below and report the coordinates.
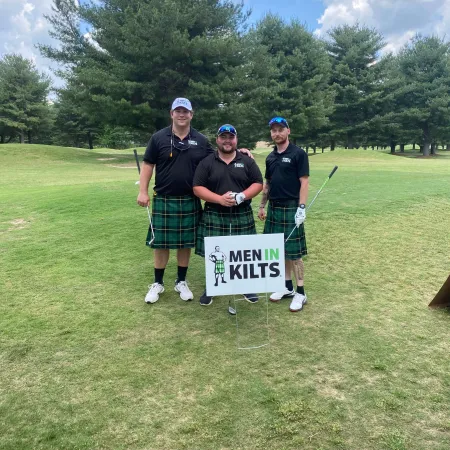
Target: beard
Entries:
(227, 150)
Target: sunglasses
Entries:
(226, 129)
(279, 120)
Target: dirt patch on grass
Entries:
(329, 391)
(17, 224)
(106, 159)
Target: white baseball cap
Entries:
(183, 102)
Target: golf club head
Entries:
(231, 310)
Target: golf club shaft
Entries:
(314, 199)
(148, 209)
(323, 185)
(137, 161)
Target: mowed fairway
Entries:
(85, 364)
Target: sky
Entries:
(23, 25)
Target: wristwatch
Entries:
(302, 205)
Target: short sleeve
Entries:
(201, 174)
(267, 174)
(151, 152)
(302, 164)
(254, 172)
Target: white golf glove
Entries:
(239, 198)
(300, 216)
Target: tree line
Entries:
(140, 54)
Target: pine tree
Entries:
(142, 54)
(23, 97)
(301, 90)
(423, 90)
(356, 76)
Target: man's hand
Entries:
(227, 199)
(300, 216)
(246, 151)
(262, 213)
(143, 199)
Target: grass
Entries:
(85, 364)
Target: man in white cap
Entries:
(175, 152)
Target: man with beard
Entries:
(175, 152)
(227, 181)
(286, 188)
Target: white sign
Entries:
(244, 264)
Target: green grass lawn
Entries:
(85, 364)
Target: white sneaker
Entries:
(153, 293)
(277, 296)
(297, 302)
(183, 289)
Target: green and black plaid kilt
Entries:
(280, 219)
(216, 221)
(220, 266)
(175, 221)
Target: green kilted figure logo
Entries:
(218, 258)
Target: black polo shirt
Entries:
(175, 164)
(220, 177)
(283, 171)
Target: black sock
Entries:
(301, 290)
(181, 273)
(289, 285)
(159, 275)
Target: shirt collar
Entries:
(289, 147)
(193, 133)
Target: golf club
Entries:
(313, 200)
(231, 310)
(148, 209)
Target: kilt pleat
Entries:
(175, 221)
(280, 219)
(216, 222)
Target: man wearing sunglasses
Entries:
(286, 189)
(227, 180)
(175, 152)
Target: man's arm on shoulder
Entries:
(246, 151)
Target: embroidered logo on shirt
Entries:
(288, 160)
(238, 165)
(193, 142)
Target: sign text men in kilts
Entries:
(227, 181)
(286, 188)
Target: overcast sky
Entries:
(22, 23)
